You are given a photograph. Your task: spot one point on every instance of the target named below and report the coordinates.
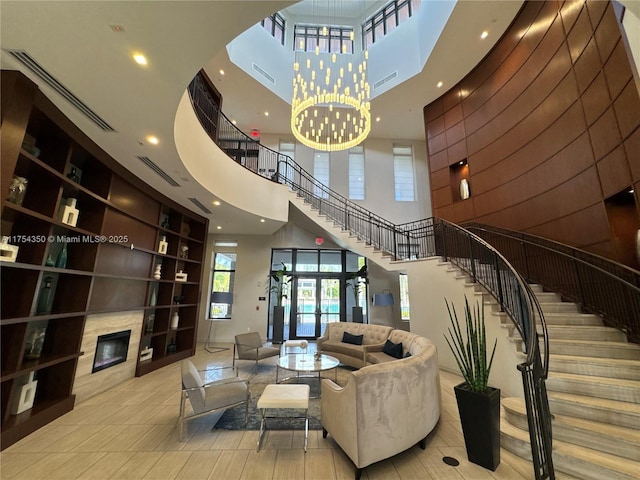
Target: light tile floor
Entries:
(129, 432)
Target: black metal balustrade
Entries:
(597, 284)
(420, 239)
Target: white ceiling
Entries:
(74, 41)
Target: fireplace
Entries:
(111, 350)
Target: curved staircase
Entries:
(594, 395)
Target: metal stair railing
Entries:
(599, 285)
(419, 239)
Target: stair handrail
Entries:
(423, 238)
(599, 285)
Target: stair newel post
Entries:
(370, 230)
(499, 281)
(576, 265)
(408, 235)
(443, 241)
(473, 263)
(395, 244)
(526, 260)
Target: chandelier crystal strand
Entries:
(330, 108)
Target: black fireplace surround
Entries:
(111, 350)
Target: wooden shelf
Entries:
(111, 255)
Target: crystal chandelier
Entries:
(330, 108)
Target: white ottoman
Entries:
(284, 396)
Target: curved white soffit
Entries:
(224, 178)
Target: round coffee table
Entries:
(306, 365)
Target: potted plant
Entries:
(478, 403)
(356, 281)
(278, 280)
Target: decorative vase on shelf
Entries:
(73, 174)
(61, 261)
(172, 347)
(17, 189)
(45, 297)
(175, 318)
(50, 262)
(150, 322)
(157, 274)
(35, 341)
(163, 245)
(70, 213)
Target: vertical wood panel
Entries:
(550, 126)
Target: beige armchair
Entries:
(249, 346)
(385, 408)
(210, 397)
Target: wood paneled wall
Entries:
(549, 125)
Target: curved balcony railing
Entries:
(598, 285)
(420, 239)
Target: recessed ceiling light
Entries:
(140, 59)
(117, 28)
(377, 119)
(219, 227)
(484, 34)
(153, 140)
(221, 72)
(266, 114)
(234, 122)
(262, 220)
(439, 84)
(216, 202)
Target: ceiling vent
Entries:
(386, 79)
(147, 161)
(24, 58)
(199, 204)
(262, 72)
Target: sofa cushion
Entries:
(352, 339)
(393, 349)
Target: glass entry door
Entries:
(317, 303)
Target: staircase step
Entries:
(612, 439)
(536, 288)
(570, 332)
(602, 410)
(589, 348)
(558, 307)
(600, 387)
(574, 318)
(548, 297)
(600, 367)
(580, 462)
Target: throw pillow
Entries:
(352, 339)
(393, 349)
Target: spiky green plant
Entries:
(470, 350)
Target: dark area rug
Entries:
(233, 418)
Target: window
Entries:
(275, 26)
(387, 19)
(404, 297)
(321, 173)
(356, 173)
(224, 272)
(327, 39)
(403, 173)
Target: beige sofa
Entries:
(374, 338)
(387, 406)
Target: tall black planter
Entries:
(356, 314)
(278, 324)
(480, 418)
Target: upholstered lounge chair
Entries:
(249, 346)
(210, 397)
